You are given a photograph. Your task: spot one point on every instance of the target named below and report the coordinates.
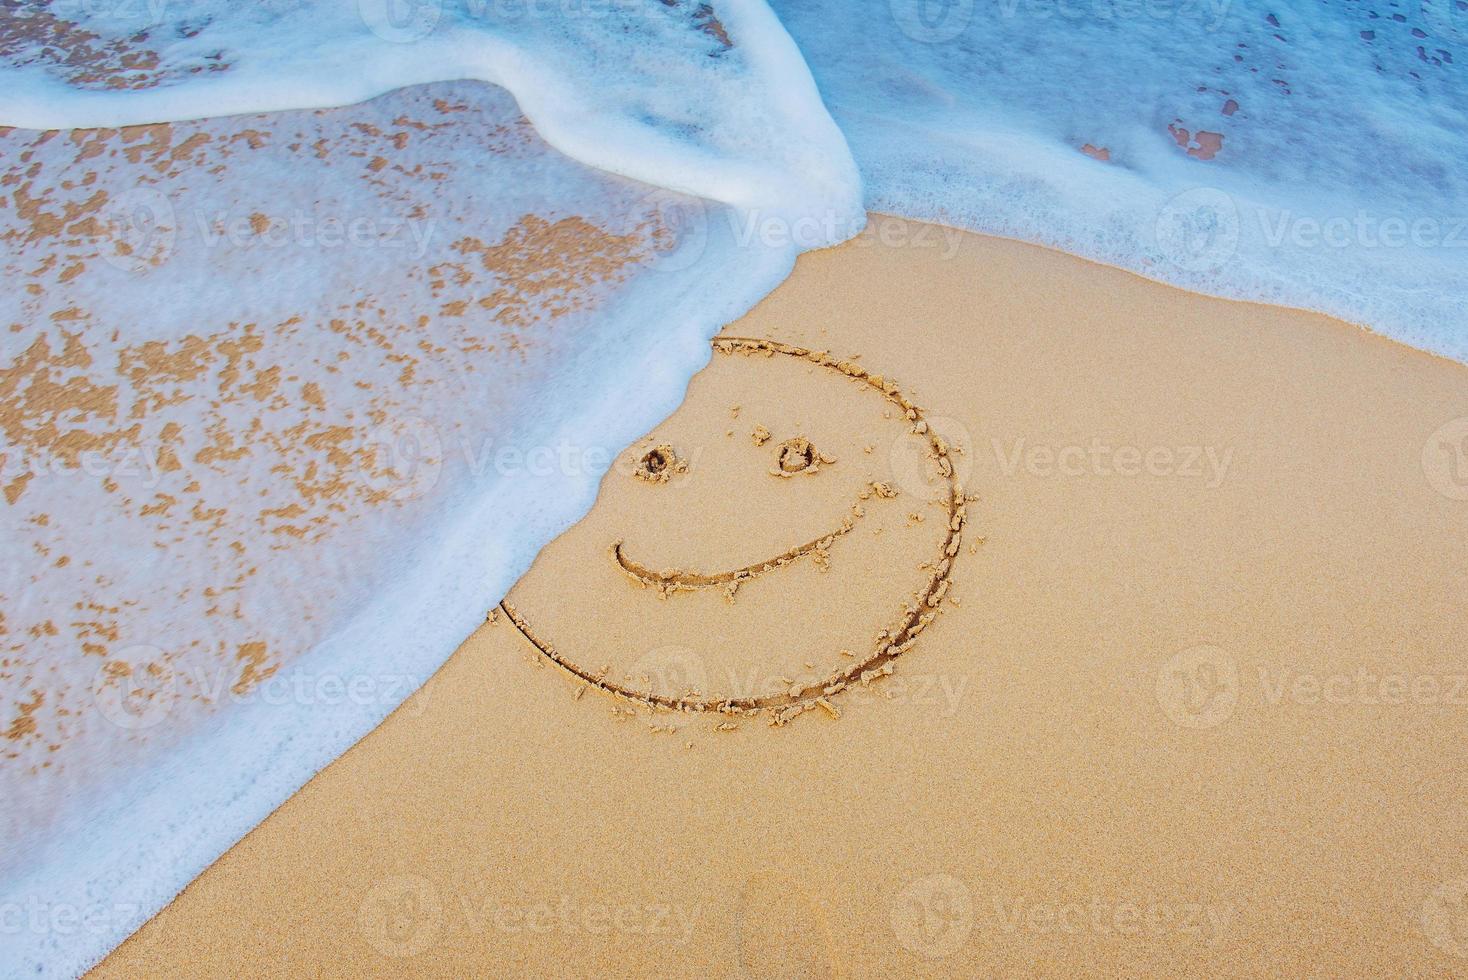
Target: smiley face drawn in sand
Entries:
(793, 457)
(791, 460)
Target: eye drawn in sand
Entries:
(799, 456)
(660, 465)
(791, 458)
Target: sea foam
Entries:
(1306, 152)
(291, 400)
(660, 92)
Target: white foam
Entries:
(1339, 185)
(487, 324)
(721, 109)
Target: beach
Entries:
(1189, 703)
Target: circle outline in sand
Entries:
(890, 643)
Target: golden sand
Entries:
(1194, 704)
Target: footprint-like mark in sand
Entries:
(794, 456)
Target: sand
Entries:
(1193, 704)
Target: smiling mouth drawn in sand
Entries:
(792, 458)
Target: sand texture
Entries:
(1077, 625)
